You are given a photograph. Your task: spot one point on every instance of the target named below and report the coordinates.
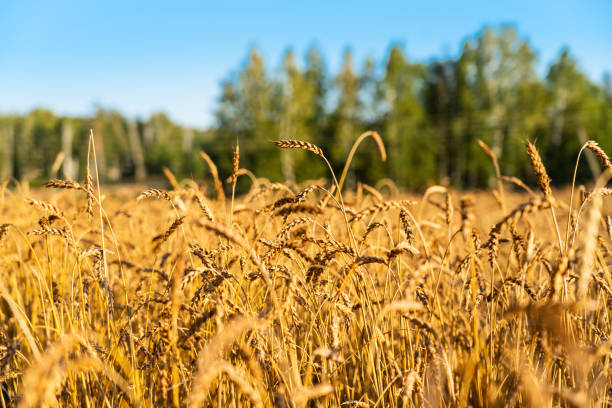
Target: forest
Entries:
(430, 115)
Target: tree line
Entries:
(430, 115)
(42, 145)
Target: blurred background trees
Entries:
(430, 116)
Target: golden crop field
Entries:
(295, 296)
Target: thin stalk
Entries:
(571, 202)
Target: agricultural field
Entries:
(297, 296)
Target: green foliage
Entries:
(430, 116)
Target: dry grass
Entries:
(291, 297)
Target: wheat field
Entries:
(297, 296)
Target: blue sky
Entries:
(144, 56)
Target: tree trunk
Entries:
(287, 156)
(187, 144)
(70, 166)
(149, 135)
(8, 150)
(140, 172)
(559, 119)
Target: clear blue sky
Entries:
(143, 56)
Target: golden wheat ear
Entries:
(544, 184)
(600, 153)
(299, 144)
(63, 184)
(153, 193)
(539, 170)
(487, 150)
(215, 174)
(171, 178)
